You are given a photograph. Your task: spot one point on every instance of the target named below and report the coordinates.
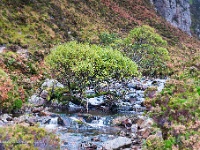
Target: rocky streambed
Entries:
(102, 125)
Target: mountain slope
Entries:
(31, 28)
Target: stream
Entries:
(102, 129)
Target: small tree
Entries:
(147, 49)
(75, 63)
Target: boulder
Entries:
(96, 101)
(44, 94)
(74, 108)
(131, 85)
(5, 118)
(37, 109)
(117, 143)
(36, 100)
(50, 82)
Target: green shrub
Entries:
(147, 49)
(81, 64)
(22, 138)
(107, 38)
(17, 104)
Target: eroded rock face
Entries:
(177, 12)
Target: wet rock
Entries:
(90, 92)
(9, 119)
(132, 100)
(89, 146)
(60, 121)
(5, 118)
(74, 108)
(96, 101)
(140, 87)
(47, 121)
(95, 139)
(117, 143)
(131, 85)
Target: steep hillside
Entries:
(44, 23)
(29, 29)
(39, 25)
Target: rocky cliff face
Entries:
(195, 11)
(177, 12)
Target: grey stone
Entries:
(117, 143)
(175, 12)
(50, 82)
(36, 100)
(44, 94)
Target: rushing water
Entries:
(88, 131)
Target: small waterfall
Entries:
(53, 123)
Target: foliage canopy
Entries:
(147, 48)
(81, 63)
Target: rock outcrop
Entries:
(195, 11)
(177, 12)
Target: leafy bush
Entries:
(176, 111)
(147, 49)
(81, 64)
(107, 38)
(22, 138)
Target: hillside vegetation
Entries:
(129, 26)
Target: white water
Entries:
(52, 124)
